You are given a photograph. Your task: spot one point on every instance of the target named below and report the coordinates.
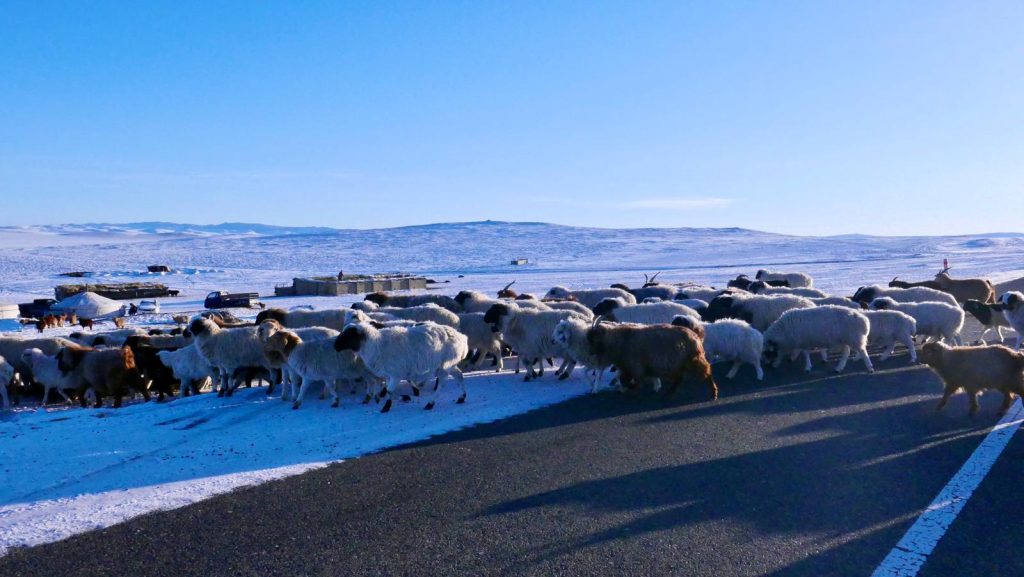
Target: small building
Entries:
(122, 291)
(520, 261)
(158, 268)
(9, 311)
(352, 284)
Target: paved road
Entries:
(801, 475)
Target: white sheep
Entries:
(529, 332)
(482, 340)
(299, 318)
(573, 306)
(837, 301)
(47, 373)
(189, 367)
(795, 279)
(661, 312)
(290, 379)
(228, 349)
(728, 340)
(114, 338)
(918, 294)
(365, 306)
(422, 313)
(478, 302)
(758, 310)
(762, 288)
(815, 328)
(589, 297)
(6, 378)
(889, 328)
(571, 333)
(934, 319)
(317, 360)
(698, 292)
(415, 354)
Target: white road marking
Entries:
(911, 552)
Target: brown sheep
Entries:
(975, 369)
(106, 371)
(662, 352)
(507, 292)
(966, 289)
(85, 323)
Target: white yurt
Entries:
(8, 312)
(89, 305)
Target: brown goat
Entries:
(894, 283)
(507, 292)
(975, 369)
(965, 289)
(661, 352)
(106, 371)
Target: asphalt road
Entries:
(799, 475)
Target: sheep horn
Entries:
(655, 276)
(647, 279)
(597, 320)
(508, 285)
(894, 278)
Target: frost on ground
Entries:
(72, 470)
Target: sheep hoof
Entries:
(335, 404)
(563, 376)
(296, 405)
(415, 391)
(429, 406)
(406, 398)
(386, 407)
(366, 399)
(461, 400)
(220, 393)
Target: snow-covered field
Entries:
(71, 470)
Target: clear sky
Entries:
(800, 117)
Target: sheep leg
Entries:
(732, 371)
(999, 331)
(757, 369)
(824, 355)
(5, 403)
(956, 339)
(335, 395)
(807, 361)
(657, 385)
(946, 393)
(568, 366)
(867, 359)
(843, 357)
(1007, 401)
(908, 341)
(888, 352)
(61, 392)
(794, 355)
(46, 395)
(390, 386)
(302, 393)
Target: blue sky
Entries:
(798, 117)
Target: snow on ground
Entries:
(71, 470)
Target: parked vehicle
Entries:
(149, 307)
(223, 300)
(36, 309)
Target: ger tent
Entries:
(89, 305)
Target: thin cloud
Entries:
(679, 203)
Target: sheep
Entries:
(761, 287)
(415, 354)
(975, 369)
(728, 340)
(507, 292)
(365, 306)
(189, 367)
(1012, 305)
(865, 295)
(227, 349)
(106, 371)
(743, 282)
(662, 353)
(428, 312)
(889, 328)
(760, 311)
(571, 334)
(160, 377)
(12, 349)
(795, 279)
(590, 297)
(107, 339)
(529, 332)
(695, 304)
(477, 302)
(819, 328)
(46, 372)
(934, 319)
(481, 339)
(989, 315)
(318, 360)
(837, 301)
(6, 378)
(706, 294)
(967, 288)
(330, 318)
(569, 306)
(160, 341)
(646, 314)
(406, 301)
(289, 379)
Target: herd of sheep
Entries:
(401, 346)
